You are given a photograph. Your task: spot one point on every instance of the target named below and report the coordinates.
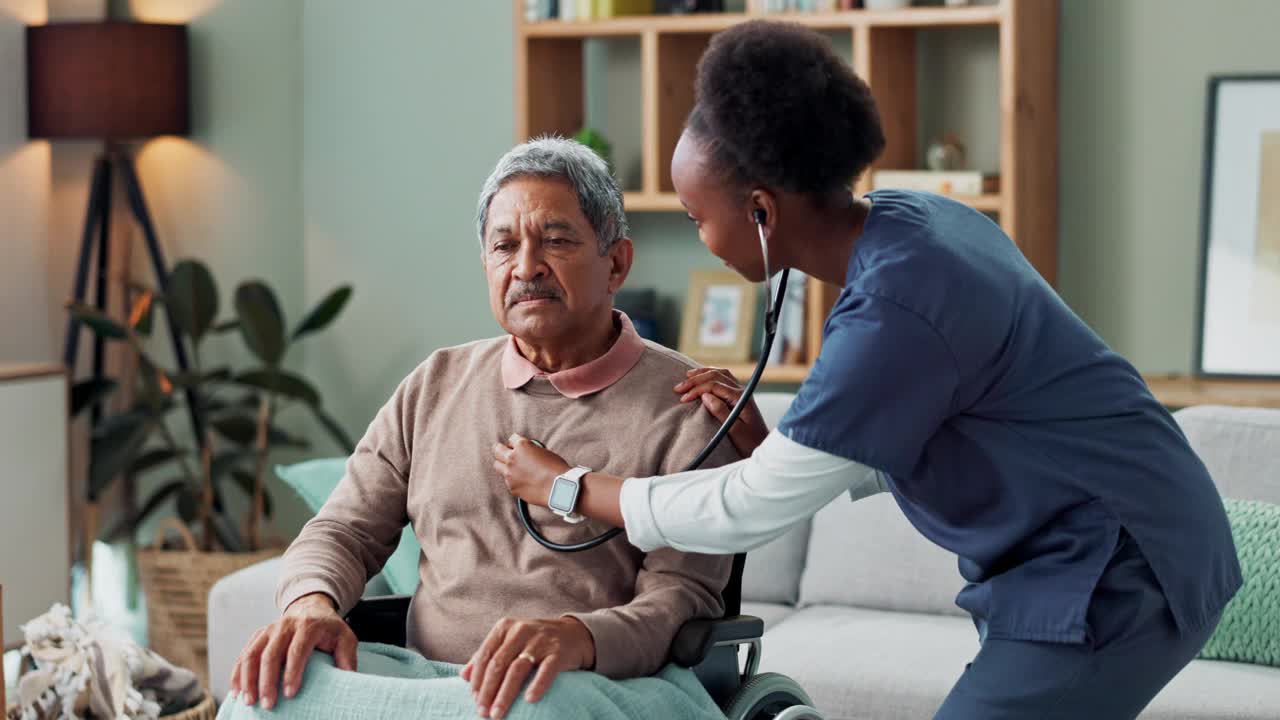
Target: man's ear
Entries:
(621, 255)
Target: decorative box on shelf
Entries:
(943, 182)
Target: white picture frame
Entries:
(1238, 324)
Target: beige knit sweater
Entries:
(427, 460)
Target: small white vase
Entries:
(886, 4)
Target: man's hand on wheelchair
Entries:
(512, 652)
(309, 623)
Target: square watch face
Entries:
(562, 495)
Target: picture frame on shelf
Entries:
(1238, 318)
(719, 317)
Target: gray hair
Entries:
(586, 172)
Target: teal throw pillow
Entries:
(314, 481)
(1250, 628)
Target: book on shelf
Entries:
(801, 6)
(574, 10)
(943, 182)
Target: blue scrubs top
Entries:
(1007, 430)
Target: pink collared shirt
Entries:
(584, 379)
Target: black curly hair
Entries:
(776, 106)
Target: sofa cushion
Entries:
(772, 574)
(770, 613)
(773, 571)
(867, 554)
(1240, 446)
(871, 664)
(1250, 627)
(1212, 690)
(861, 664)
(314, 481)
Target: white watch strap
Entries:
(575, 473)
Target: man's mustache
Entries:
(531, 291)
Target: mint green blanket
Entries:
(396, 683)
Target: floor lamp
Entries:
(116, 82)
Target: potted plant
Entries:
(234, 429)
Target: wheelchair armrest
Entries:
(696, 638)
(380, 619)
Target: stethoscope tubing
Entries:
(773, 307)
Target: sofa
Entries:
(859, 608)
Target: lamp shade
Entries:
(107, 80)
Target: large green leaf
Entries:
(126, 526)
(188, 503)
(152, 459)
(86, 393)
(97, 321)
(242, 429)
(226, 461)
(335, 430)
(193, 297)
(282, 382)
(227, 535)
(244, 480)
(261, 321)
(324, 313)
(154, 385)
(191, 378)
(236, 428)
(115, 444)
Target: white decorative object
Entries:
(886, 4)
(959, 182)
(945, 153)
(1239, 329)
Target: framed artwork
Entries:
(719, 317)
(1238, 329)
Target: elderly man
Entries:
(572, 373)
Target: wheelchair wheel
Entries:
(771, 696)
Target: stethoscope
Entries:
(773, 307)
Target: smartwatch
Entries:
(565, 490)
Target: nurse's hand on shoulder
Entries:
(309, 623)
(718, 391)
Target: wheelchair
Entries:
(708, 647)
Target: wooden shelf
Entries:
(790, 374)
(1179, 391)
(1171, 391)
(27, 371)
(922, 17)
(986, 203)
(669, 202)
(647, 202)
(550, 97)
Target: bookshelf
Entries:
(550, 97)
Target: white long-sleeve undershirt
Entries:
(743, 505)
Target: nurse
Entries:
(1095, 548)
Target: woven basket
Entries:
(206, 709)
(177, 584)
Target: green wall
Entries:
(1133, 78)
(406, 106)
